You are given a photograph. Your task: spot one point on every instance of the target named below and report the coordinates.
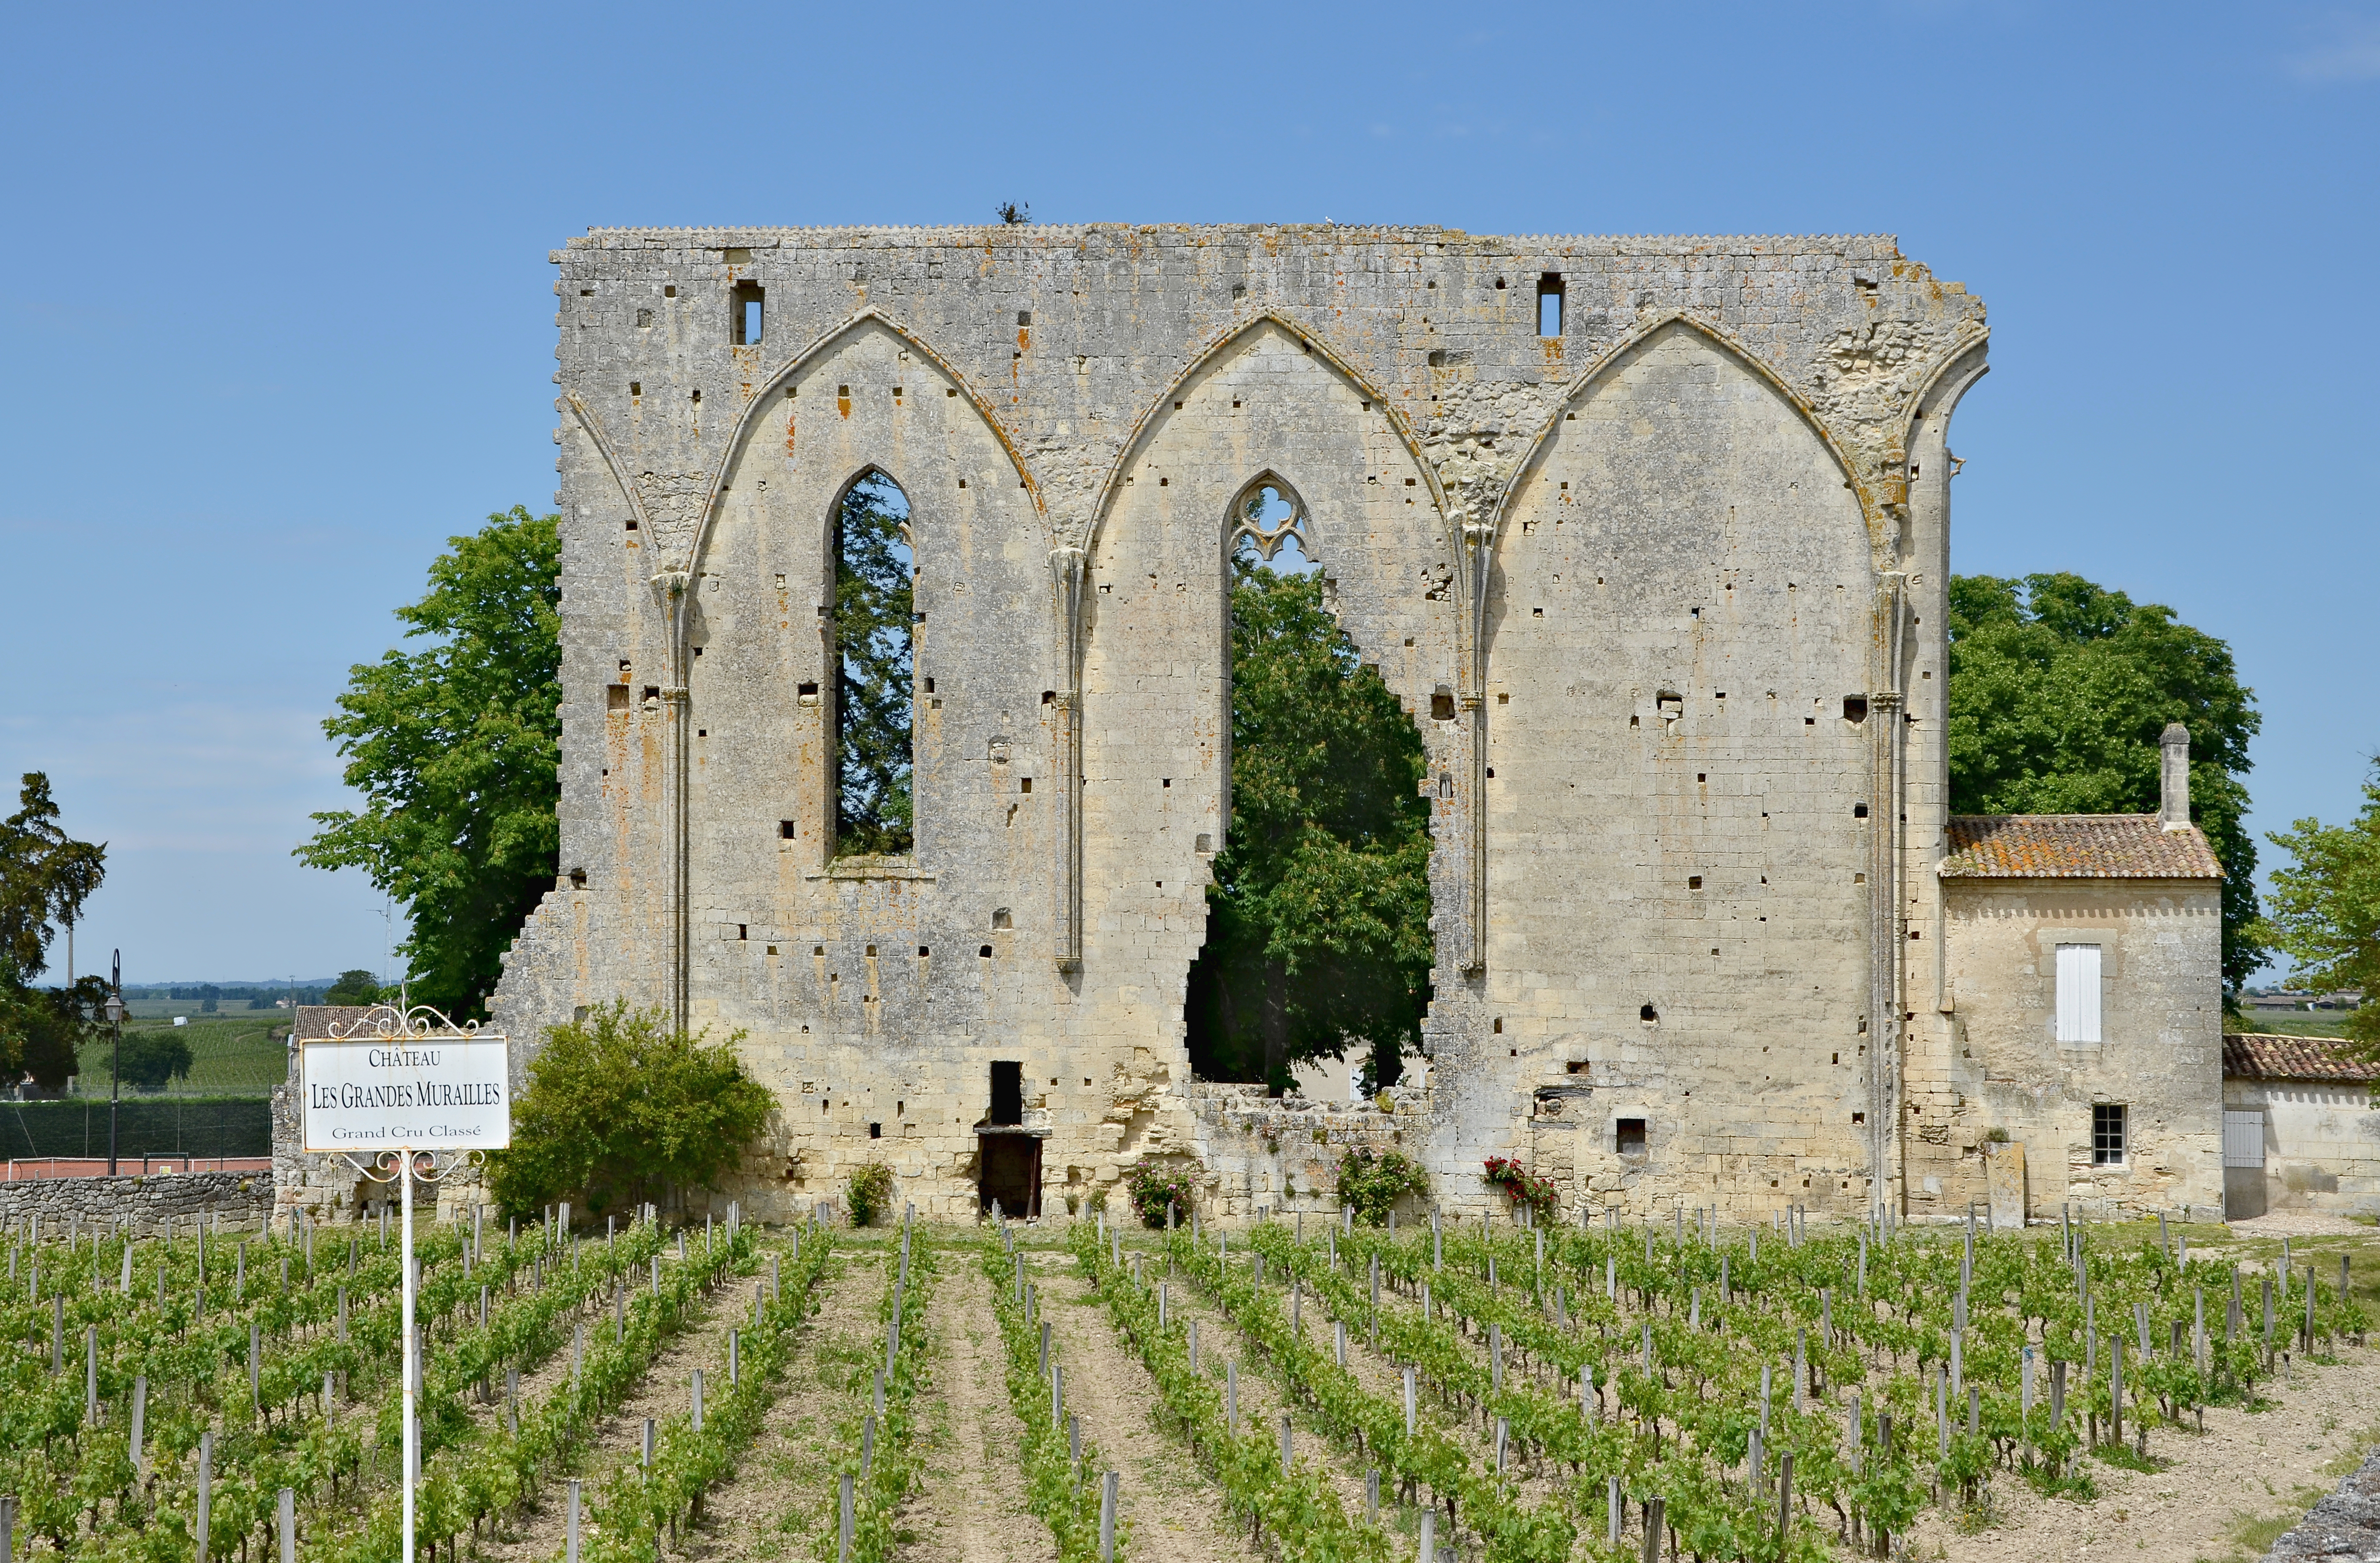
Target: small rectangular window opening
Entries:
(2078, 992)
(615, 697)
(740, 929)
(744, 314)
(784, 829)
(2107, 1134)
(1007, 1091)
(876, 1131)
(1854, 707)
(1549, 304)
(1632, 1136)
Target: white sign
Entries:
(408, 1092)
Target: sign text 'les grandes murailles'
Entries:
(411, 1090)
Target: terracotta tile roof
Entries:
(2292, 1057)
(2074, 847)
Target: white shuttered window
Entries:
(2078, 993)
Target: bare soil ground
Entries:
(971, 1507)
(2206, 1503)
(780, 1493)
(535, 1532)
(1174, 1512)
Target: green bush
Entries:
(620, 1108)
(869, 1194)
(1154, 1188)
(1373, 1181)
(152, 1060)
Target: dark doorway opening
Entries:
(1010, 1164)
(1007, 1092)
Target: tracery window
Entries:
(1267, 514)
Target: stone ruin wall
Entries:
(1663, 593)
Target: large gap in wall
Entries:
(1318, 922)
(875, 703)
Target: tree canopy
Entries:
(355, 987)
(1318, 928)
(620, 1108)
(2324, 909)
(874, 700)
(2058, 692)
(150, 1061)
(455, 748)
(45, 877)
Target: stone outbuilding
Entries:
(2301, 1127)
(2081, 979)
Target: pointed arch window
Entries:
(875, 705)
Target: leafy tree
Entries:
(874, 704)
(42, 1030)
(357, 986)
(1317, 926)
(455, 748)
(45, 877)
(149, 1060)
(2058, 691)
(620, 1108)
(2324, 910)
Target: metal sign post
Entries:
(408, 1087)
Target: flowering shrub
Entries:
(1524, 1187)
(1154, 1188)
(1373, 1181)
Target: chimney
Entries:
(2173, 778)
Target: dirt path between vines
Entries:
(536, 1531)
(970, 1502)
(1176, 1514)
(780, 1493)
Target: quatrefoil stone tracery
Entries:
(1249, 522)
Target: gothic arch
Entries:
(1212, 349)
(1723, 340)
(745, 422)
(611, 463)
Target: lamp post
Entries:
(116, 1053)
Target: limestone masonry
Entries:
(1662, 585)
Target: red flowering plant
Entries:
(1524, 1187)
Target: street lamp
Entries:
(115, 1056)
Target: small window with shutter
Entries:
(2078, 992)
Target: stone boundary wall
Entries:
(242, 1201)
(2345, 1524)
(1282, 1152)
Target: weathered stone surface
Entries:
(238, 1201)
(2344, 1526)
(1663, 591)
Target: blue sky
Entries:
(277, 318)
